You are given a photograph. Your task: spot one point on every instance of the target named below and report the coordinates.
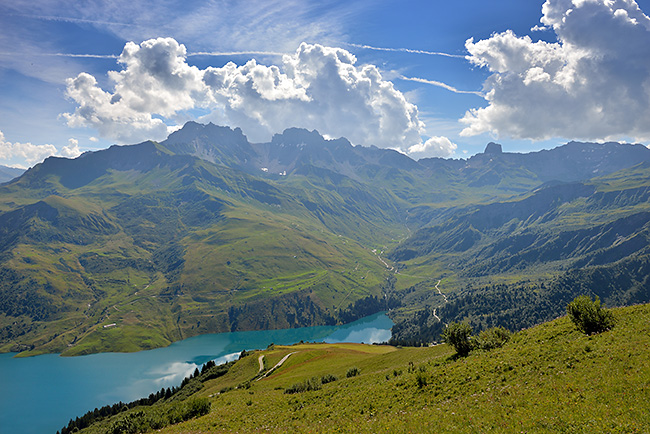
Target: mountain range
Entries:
(137, 246)
(9, 173)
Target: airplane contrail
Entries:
(234, 53)
(442, 85)
(408, 50)
(75, 20)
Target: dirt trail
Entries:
(277, 365)
(439, 306)
(440, 292)
(261, 360)
(378, 255)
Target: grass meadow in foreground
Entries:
(550, 378)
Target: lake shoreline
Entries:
(36, 352)
(59, 388)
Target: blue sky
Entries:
(396, 74)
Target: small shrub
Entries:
(157, 417)
(296, 388)
(130, 423)
(314, 384)
(421, 379)
(459, 336)
(352, 372)
(245, 385)
(304, 386)
(589, 316)
(496, 337)
(196, 407)
(328, 378)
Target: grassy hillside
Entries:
(133, 248)
(516, 263)
(550, 378)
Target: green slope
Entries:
(550, 378)
(517, 263)
(133, 248)
(137, 246)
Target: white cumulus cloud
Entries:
(317, 87)
(71, 150)
(593, 83)
(15, 153)
(434, 147)
(155, 80)
(24, 151)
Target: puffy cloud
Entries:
(17, 153)
(260, 25)
(24, 151)
(156, 80)
(593, 83)
(72, 150)
(434, 147)
(317, 87)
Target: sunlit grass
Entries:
(550, 378)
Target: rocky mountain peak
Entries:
(493, 148)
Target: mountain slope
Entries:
(9, 173)
(517, 263)
(136, 246)
(550, 378)
(599, 221)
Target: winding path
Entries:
(277, 365)
(440, 292)
(378, 255)
(439, 306)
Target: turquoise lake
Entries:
(41, 394)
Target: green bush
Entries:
(160, 416)
(496, 337)
(459, 336)
(130, 423)
(421, 379)
(589, 316)
(304, 386)
(352, 372)
(328, 378)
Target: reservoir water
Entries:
(41, 394)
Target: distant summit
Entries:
(9, 173)
(298, 136)
(206, 232)
(493, 148)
